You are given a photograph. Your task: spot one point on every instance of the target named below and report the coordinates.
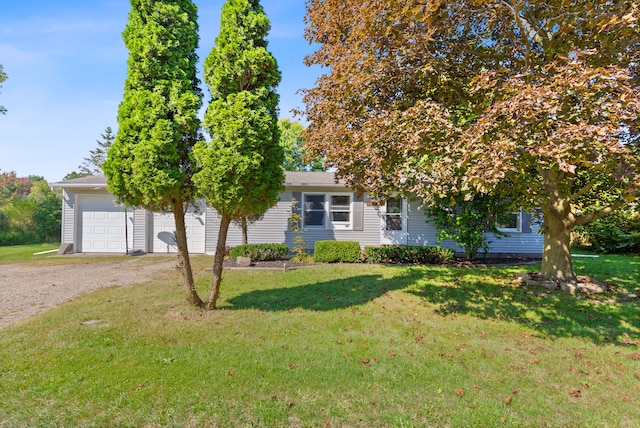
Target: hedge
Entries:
(408, 254)
(337, 252)
(260, 252)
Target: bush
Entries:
(408, 254)
(337, 252)
(260, 252)
(618, 232)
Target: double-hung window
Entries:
(328, 210)
(511, 222)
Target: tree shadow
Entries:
(485, 293)
(324, 296)
(553, 313)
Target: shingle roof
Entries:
(297, 179)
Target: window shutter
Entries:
(526, 222)
(358, 213)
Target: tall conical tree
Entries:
(241, 168)
(149, 164)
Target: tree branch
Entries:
(587, 218)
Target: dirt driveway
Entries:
(27, 290)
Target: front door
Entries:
(393, 214)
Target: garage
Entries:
(163, 227)
(102, 225)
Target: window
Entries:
(327, 211)
(511, 222)
(394, 214)
(314, 210)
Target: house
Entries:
(93, 222)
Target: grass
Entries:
(333, 345)
(19, 253)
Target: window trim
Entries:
(328, 223)
(518, 227)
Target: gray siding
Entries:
(212, 225)
(420, 232)
(274, 226)
(525, 242)
(68, 217)
(138, 217)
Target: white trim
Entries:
(394, 237)
(518, 227)
(327, 222)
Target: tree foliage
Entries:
(92, 164)
(29, 210)
(467, 218)
(536, 94)
(3, 77)
(13, 187)
(241, 167)
(292, 142)
(149, 164)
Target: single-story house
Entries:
(93, 222)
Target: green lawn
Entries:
(333, 345)
(18, 253)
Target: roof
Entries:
(292, 179)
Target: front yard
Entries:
(333, 345)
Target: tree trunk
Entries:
(221, 247)
(558, 223)
(245, 237)
(184, 262)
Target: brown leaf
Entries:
(289, 404)
(508, 400)
(575, 393)
(364, 360)
(231, 372)
(460, 392)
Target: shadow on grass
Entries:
(488, 294)
(554, 314)
(324, 296)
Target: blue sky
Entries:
(66, 63)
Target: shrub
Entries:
(408, 254)
(618, 232)
(260, 252)
(337, 252)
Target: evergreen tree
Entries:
(149, 164)
(241, 168)
(92, 165)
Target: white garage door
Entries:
(102, 225)
(164, 226)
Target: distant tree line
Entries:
(30, 211)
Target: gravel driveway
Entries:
(27, 290)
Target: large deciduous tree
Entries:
(241, 167)
(292, 142)
(535, 94)
(149, 164)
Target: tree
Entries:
(13, 187)
(47, 215)
(3, 77)
(241, 168)
(292, 142)
(533, 94)
(466, 218)
(92, 165)
(149, 164)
